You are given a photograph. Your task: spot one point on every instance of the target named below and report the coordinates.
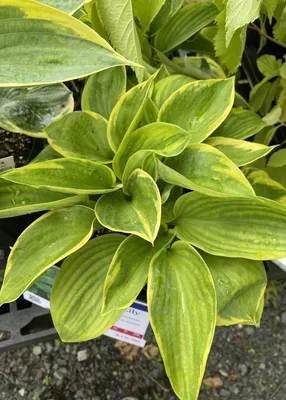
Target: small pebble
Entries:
(249, 330)
(283, 318)
(224, 393)
(58, 375)
(37, 350)
(22, 392)
(262, 366)
(82, 355)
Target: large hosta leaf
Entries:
(31, 110)
(234, 227)
(264, 186)
(127, 112)
(140, 214)
(164, 139)
(184, 24)
(18, 199)
(68, 6)
(240, 124)
(118, 21)
(48, 153)
(240, 286)
(167, 11)
(103, 90)
(129, 269)
(77, 294)
(208, 171)
(48, 240)
(142, 159)
(182, 307)
(81, 134)
(67, 175)
(240, 152)
(35, 38)
(199, 107)
(167, 86)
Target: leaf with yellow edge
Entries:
(138, 214)
(199, 107)
(240, 285)
(46, 241)
(182, 307)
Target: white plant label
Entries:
(7, 163)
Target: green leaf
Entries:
(271, 96)
(169, 8)
(270, 6)
(279, 29)
(240, 152)
(46, 241)
(199, 67)
(232, 227)
(273, 117)
(283, 71)
(19, 199)
(184, 24)
(81, 134)
(66, 175)
(265, 136)
(199, 107)
(48, 153)
(150, 113)
(182, 307)
(168, 205)
(259, 93)
(202, 168)
(138, 214)
(127, 112)
(77, 294)
(278, 159)
(118, 21)
(142, 159)
(240, 285)
(164, 139)
(264, 186)
(34, 38)
(167, 86)
(129, 269)
(230, 55)
(31, 110)
(68, 6)
(240, 124)
(239, 14)
(103, 90)
(278, 174)
(146, 11)
(269, 66)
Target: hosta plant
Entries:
(156, 180)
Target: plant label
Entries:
(7, 163)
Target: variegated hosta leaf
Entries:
(182, 307)
(278, 159)
(140, 214)
(142, 159)
(77, 294)
(232, 227)
(167, 86)
(118, 21)
(103, 90)
(278, 174)
(168, 206)
(68, 6)
(81, 134)
(199, 107)
(150, 113)
(240, 124)
(129, 269)
(240, 152)
(46, 241)
(199, 67)
(31, 110)
(66, 175)
(164, 139)
(184, 24)
(202, 168)
(28, 59)
(127, 112)
(264, 186)
(240, 286)
(20, 199)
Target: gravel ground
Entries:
(15, 144)
(245, 363)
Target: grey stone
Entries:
(283, 318)
(262, 366)
(249, 330)
(235, 391)
(37, 350)
(58, 375)
(224, 393)
(82, 355)
(243, 369)
(49, 348)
